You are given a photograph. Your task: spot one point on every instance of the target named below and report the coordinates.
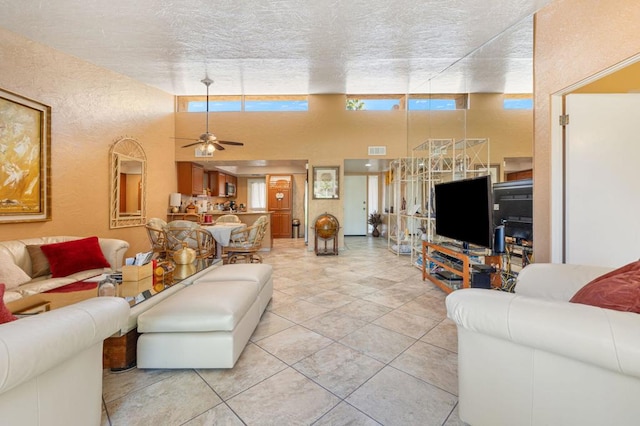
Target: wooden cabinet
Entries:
(523, 174)
(217, 182)
(281, 224)
(190, 178)
(222, 184)
(279, 200)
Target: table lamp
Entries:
(175, 199)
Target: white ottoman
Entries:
(258, 273)
(208, 323)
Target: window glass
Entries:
(257, 194)
(366, 103)
(437, 102)
(517, 103)
(432, 104)
(372, 197)
(276, 105)
(214, 106)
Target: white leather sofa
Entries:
(208, 323)
(16, 251)
(533, 358)
(51, 363)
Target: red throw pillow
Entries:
(5, 314)
(74, 256)
(618, 290)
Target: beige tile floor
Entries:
(353, 339)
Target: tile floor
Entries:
(355, 339)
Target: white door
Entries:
(355, 205)
(602, 201)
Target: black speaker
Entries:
(498, 239)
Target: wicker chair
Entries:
(228, 218)
(179, 231)
(156, 230)
(245, 243)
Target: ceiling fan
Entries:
(208, 141)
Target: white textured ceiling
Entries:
(293, 46)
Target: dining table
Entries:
(221, 232)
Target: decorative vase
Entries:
(185, 255)
(375, 232)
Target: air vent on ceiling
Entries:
(200, 153)
(377, 150)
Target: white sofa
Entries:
(532, 358)
(51, 363)
(114, 251)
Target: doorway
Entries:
(355, 205)
(591, 163)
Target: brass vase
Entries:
(185, 255)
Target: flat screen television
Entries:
(464, 210)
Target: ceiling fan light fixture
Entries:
(210, 147)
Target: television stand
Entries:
(454, 267)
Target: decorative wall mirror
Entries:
(128, 177)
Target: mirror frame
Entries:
(126, 148)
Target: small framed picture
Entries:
(326, 183)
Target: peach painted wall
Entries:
(574, 39)
(91, 108)
(327, 134)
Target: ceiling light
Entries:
(211, 147)
(367, 165)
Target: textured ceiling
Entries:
(293, 46)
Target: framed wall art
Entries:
(25, 159)
(326, 183)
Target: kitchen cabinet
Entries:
(218, 183)
(190, 178)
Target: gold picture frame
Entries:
(25, 159)
(326, 183)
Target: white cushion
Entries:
(556, 281)
(259, 273)
(10, 273)
(204, 307)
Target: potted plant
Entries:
(375, 219)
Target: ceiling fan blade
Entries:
(192, 144)
(218, 146)
(231, 143)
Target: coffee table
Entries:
(119, 352)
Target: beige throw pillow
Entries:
(10, 273)
(39, 262)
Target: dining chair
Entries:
(180, 231)
(228, 218)
(156, 230)
(246, 243)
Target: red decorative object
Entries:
(5, 314)
(74, 256)
(618, 290)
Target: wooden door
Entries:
(280, 201)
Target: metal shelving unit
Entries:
(435, 161)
